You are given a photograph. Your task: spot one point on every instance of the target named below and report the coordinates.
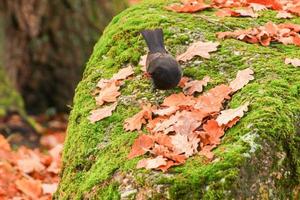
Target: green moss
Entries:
(93, 153)
(9, 97)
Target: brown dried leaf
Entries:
(198, 49)
(246, 12)
(101, 113)
(242, 78)
(152, 163)
(136, 122)
(284, 15)
(195, 86)
(178, 100)
(141, 145)
(228, 115)
(167, 111)
(258, 7)
(294, 61)
(30, 187)
(188, 6)
(108, 94)
(123, 73)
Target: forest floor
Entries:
(30, 155)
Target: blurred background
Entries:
(44, 45)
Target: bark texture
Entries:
(47, 43)
(258, 158)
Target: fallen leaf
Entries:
(101, 113)
(181, 145)
(183, 81)
(152, 163)
(226, 12)
(228, 115)
(189, 6)
(136, 122)
(123, 73)
(206, 151)
(49, 188)
(283, 15)
(30, 187)
(178, 100)
(198, 49)
(294, 61)
(195, 86)
(274, 4)
(214, 131)
(4, 145)
(141, 145)
(212, 100)
(242, 78)
(295, 10)
(246, 12)
(167, 111)
(108, 94)
(258, 7)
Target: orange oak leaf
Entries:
(152, 163)
(161, 150)
(274, 4)
(257, 7)
(212, 100)
(183, 81)
(152, 123)
(198, 49)
(246, 12)
(188, 6)
(283, 15)
(295, 10)
(136, 122)
(181, 144)
(4, 145)
(214, 131)
(206, 151)
(169, 164)
(242, 78)
(141, 145)
(178, 100)
(167, 111)
(123, 73)
(294, 61)
(108, 94)
(163, 140)
(30, 187)
(49, 188)
(232, 122)
(228, 115)
(195, 86)
(226, 12)
(30, 162)
(101, 113)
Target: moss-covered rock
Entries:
(259, 158)
(10, 99)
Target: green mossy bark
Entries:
(10, 99)
(259, 157)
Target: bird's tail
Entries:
(155, 40)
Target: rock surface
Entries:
(259, 157)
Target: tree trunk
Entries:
(258, 158)
(47, 43)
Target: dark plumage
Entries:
(164, 70)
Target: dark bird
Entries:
(162, 67)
